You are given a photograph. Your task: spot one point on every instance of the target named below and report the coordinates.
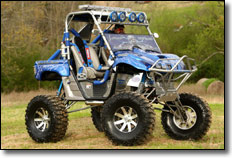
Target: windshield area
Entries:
(120, 42)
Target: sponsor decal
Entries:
(88, 86)
(88, 53)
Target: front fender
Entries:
(60, 67)
(144, 60)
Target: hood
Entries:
(143, 60)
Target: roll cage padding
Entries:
(74, 32)
(77, 58)
(79, 42)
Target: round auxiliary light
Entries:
(114, 16)
(141, 17)
(132, 17)
(122, 16)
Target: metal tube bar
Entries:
(73, 102)
(59, 90)
(137, 24)
(150, 92)
(179, 77)
(161, 109)
(82, 109)
(55, 55)
(162, 59)
(178, 62)
(148, 29)
(103, 36)
(172, 70)
(185, 79)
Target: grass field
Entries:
(81, 133)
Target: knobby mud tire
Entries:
(58, 119)
(200, 128)
(146, 119)
(96, 118)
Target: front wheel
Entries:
(197, 122)
(46, 119)
(128, 119)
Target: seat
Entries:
(95, 59)
(96, 71)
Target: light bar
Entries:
(114, 16)
(132, 17)
(122, 16)
(141, 17)
(95, 7)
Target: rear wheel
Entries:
(128, 119)
(46, 119)
(96, 118)
(197, 122)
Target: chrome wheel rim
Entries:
(41, 119)
(191, 118)
(125, 119)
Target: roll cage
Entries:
(99, 15)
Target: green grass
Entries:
(82, 134)
(208, 82)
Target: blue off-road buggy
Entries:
(120, 77)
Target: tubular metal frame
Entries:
(169, 73)
(174, 67)
(98, 22)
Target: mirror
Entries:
(156, 35)
(95, 32)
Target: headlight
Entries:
(141, 17)
(122, 16)
(132, 17)
(114, 16)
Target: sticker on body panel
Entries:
(88, 86)
(135, 80)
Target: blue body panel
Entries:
(61, 67)
(144, 60)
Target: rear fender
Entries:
(51, 69)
